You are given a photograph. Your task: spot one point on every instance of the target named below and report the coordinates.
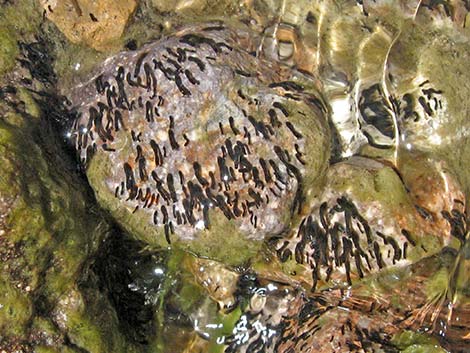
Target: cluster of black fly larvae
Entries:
(164, 174)
(181, 201)
(338, 237)
(106, 115)
(458, 223)
(425, 106)
(377, 117)
(382, 117)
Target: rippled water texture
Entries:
(239, 177)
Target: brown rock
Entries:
(190, 8)
(95, 23)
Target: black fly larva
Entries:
(179, 159)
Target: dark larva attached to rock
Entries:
(170, 118)
(355, 229)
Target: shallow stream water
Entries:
(252, 176)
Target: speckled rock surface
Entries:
(191, 136)
(97, 24)
(366, 251)
(364, 222)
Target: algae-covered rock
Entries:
(433, 187)
(9, 49)
(17, 21)
(413, 342)
(98, 24)
(49, 231)
(363, 222)
(191, 139)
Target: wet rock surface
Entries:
(98, 24)
(351, 236)
(363, 223)
(375, 315)
(191, 133)
(48, 233)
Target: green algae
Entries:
(94, 333)
(414, 342)
(47, 349)
(8, 50)
(35, 220)
(377, 183)
(53, 232)
(22, 16)
(32, 231)
(186, 299)
(223, 242)
(438, 284)
(181, 292)
(17, 21)
(15, 310)
(226, 324)
(73, 61)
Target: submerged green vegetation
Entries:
(80, 273)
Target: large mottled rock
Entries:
(192, 139)
(49, 231)
(97, 24)
(364, 222)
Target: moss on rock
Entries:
(49, 230)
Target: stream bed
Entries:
(234, 176)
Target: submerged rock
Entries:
(196, 8)
(219, 281)
(49, 231)
(97, 24)
(191, 139)
(364, 222)
(210, 139)
(385, 313)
